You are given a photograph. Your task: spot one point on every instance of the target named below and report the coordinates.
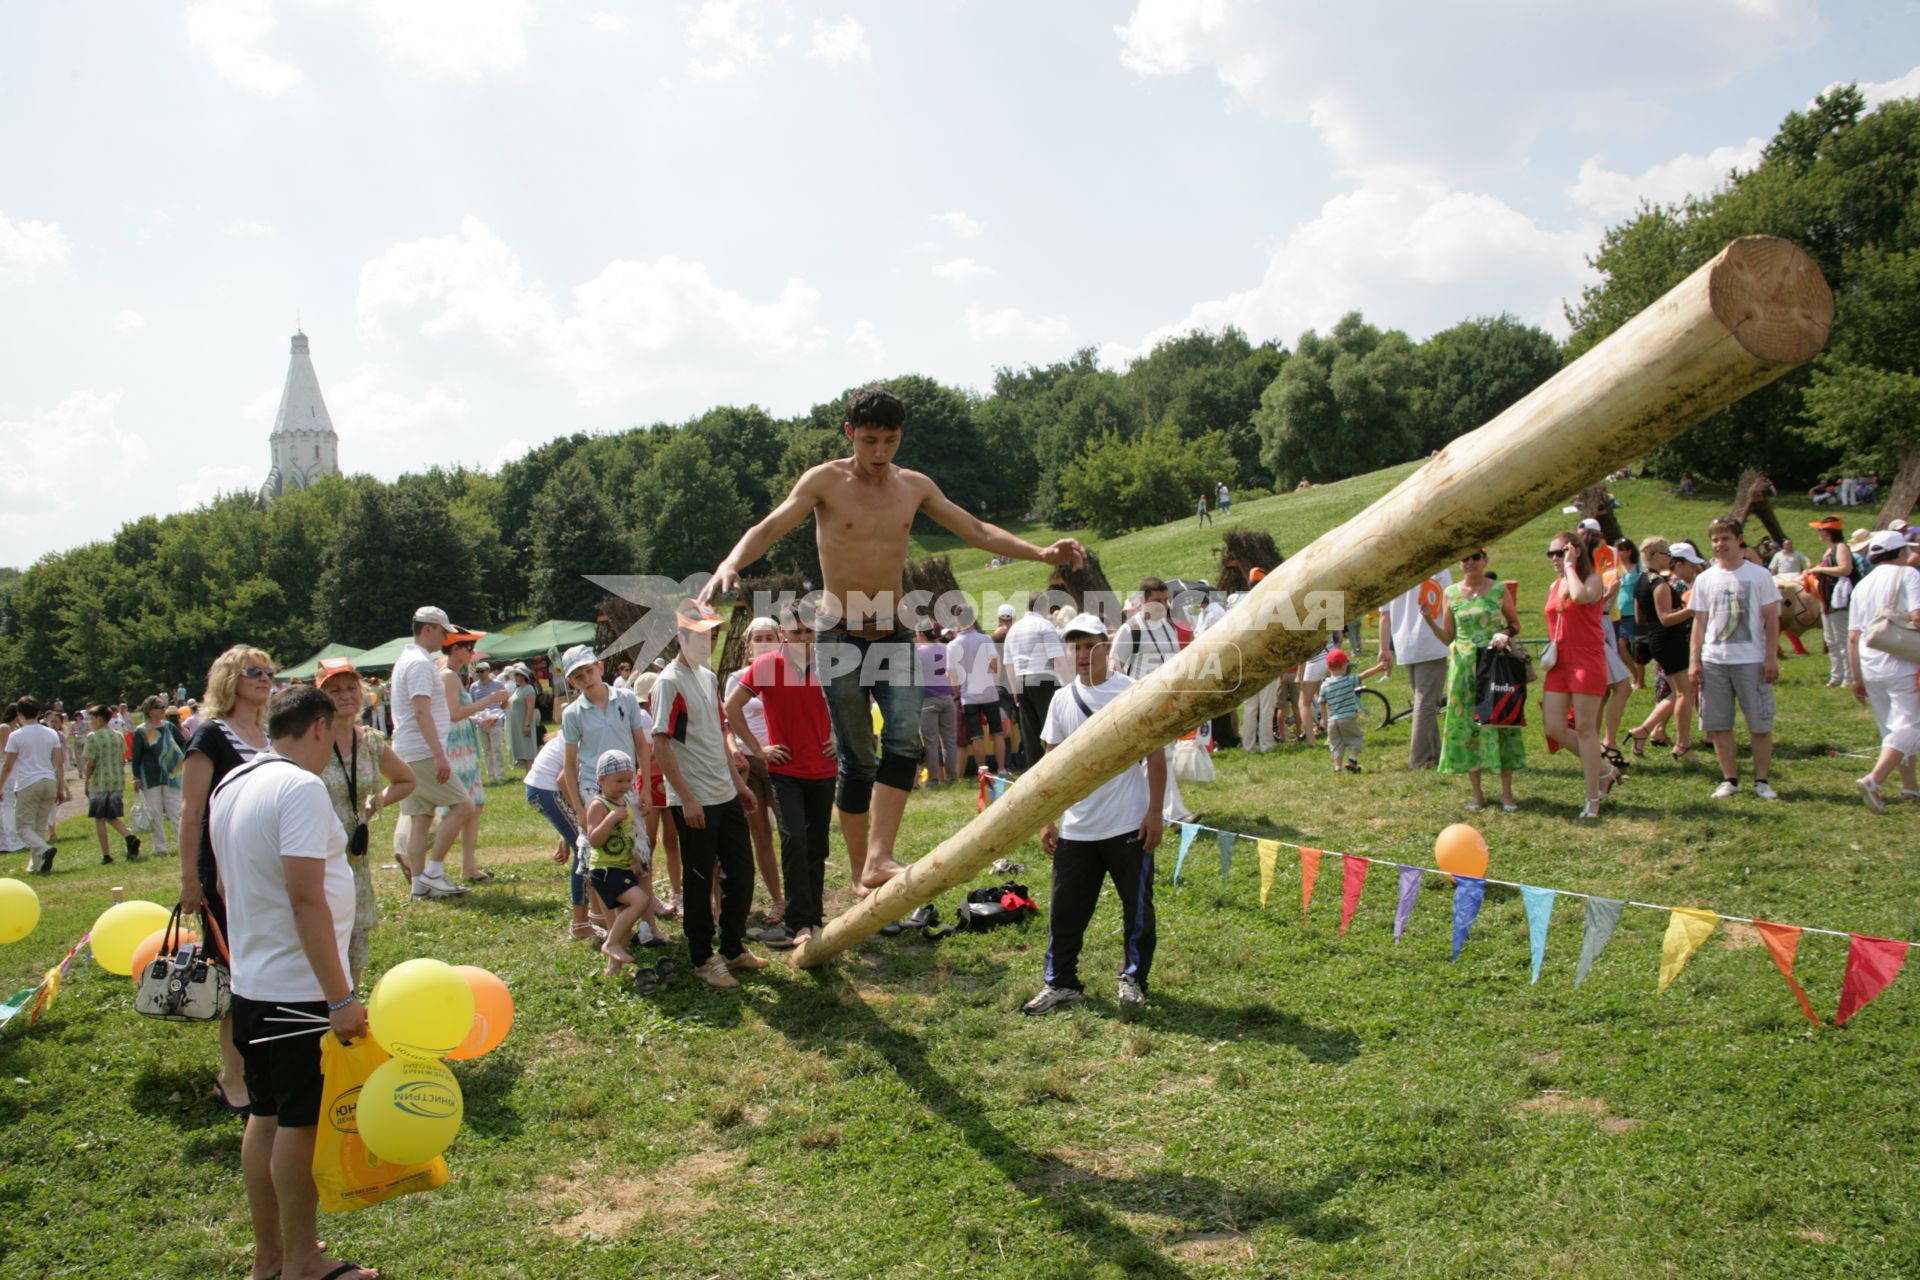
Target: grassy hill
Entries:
(1292, 1103)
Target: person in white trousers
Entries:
(1889, 685)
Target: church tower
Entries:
(303, 443)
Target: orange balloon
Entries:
(149, 950)
(1461, 850)
(492, 1013)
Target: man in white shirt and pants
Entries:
(1890, 686)
(421, 722)
(290, 895)
(1040, 666)
(1112, 833)
(1736, 656)
(1405, 638)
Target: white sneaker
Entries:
(1870, 792)
(1726, 790)
(1131, 992)
(436, 886)
(1051, 998)
(1765, 791)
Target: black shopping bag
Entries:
(1500, 689)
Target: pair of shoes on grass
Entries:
(1131, 996)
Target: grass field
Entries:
(1293, 1103)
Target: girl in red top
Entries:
(1578, 678)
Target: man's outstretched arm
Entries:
(976, 532)
(755, 542)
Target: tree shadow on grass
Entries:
(1260, 1020)
(1087, 1205)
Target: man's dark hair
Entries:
(875, 406)
(293, 712)
(100, 711)
(28, 708)
(1150, 585)
(1729, 524)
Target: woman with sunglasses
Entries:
(1578, 678)
(1476, 613)
(233, 730)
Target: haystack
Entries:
(1751, 498)
(1596, 503)
(1241, 552)
(775, 587)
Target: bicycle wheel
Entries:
(1375, 711)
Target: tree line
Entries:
(1069, 443)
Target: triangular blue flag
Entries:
(1410, 878)
(1188, 831)
(1539, 903)
(1468, 893)
(1602, 915)
(999, 787)
(1226, 839)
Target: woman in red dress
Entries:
(1578, 679)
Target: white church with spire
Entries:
(303, 443)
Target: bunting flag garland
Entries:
(1353, 878)
(980, 805)
(1468, 893)
(1409, 894)
(999, 787)
(41, 995)
(1226, 839)
(1309, 872)
(1782, 941)
(1686, 930)
(1269, 859)
(1872, 963)
(1602, 915)
(1539, 904)
(1188, 831)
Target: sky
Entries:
(500, 221)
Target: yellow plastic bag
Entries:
(348, 1175)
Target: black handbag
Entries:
(1500, 689)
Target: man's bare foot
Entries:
(878, 871)
(860, 890)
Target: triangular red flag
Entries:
(1782, 941)
(1872, 963)
(1309, 871)
(980, 805)
(1353, 877)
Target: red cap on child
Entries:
(1336, 657)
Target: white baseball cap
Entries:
(581, 655)
(434, 614)
(1591, 523)
(1084, 624)
(1685, 551)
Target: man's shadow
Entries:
(1084, 1204)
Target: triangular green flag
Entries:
(1226, 852)
(1602, 915)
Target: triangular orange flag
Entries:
(1309, 871)
(1782, 941)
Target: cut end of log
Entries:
(1773, 299)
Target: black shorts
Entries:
(981, 718)
(109, 806)
(283, 1076)
(611, 882)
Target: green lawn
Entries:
(1293, 1103)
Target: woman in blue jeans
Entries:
(551, 791)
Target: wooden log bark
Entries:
(1754, 312)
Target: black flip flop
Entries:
(342, 1270)
(665, 969)
(645, 981)
(220, 1096)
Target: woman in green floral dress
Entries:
(1475, 614)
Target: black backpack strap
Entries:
(1079, 701)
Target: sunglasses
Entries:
(256, 673)
(1478, 555)
(1556, 555)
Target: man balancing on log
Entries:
(863, 509)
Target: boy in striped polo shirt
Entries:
(1340, 695)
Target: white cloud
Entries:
(29, 246)
(636, 326)
(842, 41)
(960, 224)
(1877, 92)
(367, 410)
(864, 342)
(725, 36)
(129, 321)
(229, 32)
(44, 455)
(210, 480)
(249, 229)
(513, 450)
(607, 22)
(1410, 253)
(455, 38)
(1011, 322)
(961, 270)
(1609, 194)
(1531, 65)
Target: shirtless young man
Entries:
(863, 509)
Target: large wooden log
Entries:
(1756, 311)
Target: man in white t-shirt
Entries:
(1111, 833)
(421, 722)
(1405, 638)
(1142, 645)
(35, 766)
(1889, 685)
(973, 664)
(283, 863)
(1039, 665)
(1736, 656)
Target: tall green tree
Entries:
(1342, 405)
(1124, 482)
(576, 532)
(687, 508)
(1473, 371)
(398, 547)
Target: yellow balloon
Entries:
(421, 1009)
(409, 1110)
(121, 928)
(19, 910)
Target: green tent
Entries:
(380, 659)
(534, 642)
(305, 670)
